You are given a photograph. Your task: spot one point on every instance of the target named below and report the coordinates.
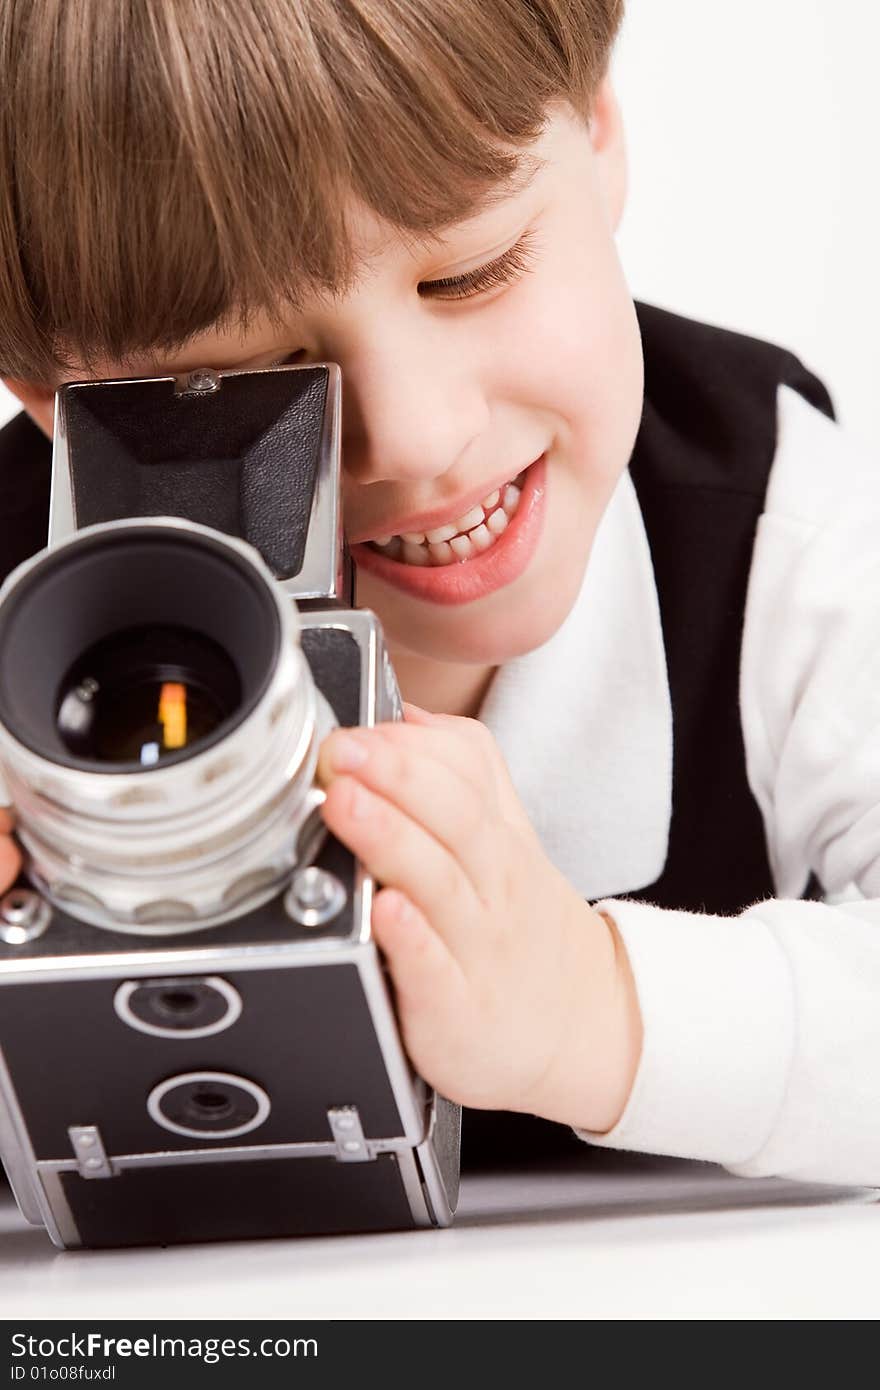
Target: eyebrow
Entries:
(529, 166)
(522, 178)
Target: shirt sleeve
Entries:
(762, 1031)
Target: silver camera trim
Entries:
(155, 1030)
(158, 1093)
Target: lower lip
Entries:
(464, 581)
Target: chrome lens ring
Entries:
(195, 841)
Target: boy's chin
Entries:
(466, 636)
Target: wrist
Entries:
(625, 1036)
(593, 1070)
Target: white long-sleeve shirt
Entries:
(761, 1031)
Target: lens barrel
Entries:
(159, 725)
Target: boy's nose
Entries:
(408, 417)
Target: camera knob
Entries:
(203, 380)
(24, 916)
(314, 897)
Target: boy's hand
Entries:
(512, 992)
(10, 854)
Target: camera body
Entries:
(197, 1034)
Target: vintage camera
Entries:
(197, 1036)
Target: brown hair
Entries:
(167, 165)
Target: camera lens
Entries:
(208, 1105)
(141, 694)
(178, 1008)
(159, 728)
(130, 646)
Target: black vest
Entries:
(700, 467)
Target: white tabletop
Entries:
(619, 1236)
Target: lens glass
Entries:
(145, 693)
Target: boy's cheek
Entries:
(575, 352)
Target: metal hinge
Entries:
(91, 1156)
(345, 1125)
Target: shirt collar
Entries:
(585, 721)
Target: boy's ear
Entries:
(609, 150)
(38, 401)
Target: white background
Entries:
(752, 131)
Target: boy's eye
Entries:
(501, 271)
(287, 360)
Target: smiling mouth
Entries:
(471, 534)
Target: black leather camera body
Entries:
(197, 1034)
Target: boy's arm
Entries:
(762, 1032)
(761, 1039)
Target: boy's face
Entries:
(447, 398)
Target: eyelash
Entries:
(502, 271)
(513, 263)
(286, 361)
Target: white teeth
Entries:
(481, 537)
(441, 533)
(470, 519)
(441, 554)
(511, 498)
(415, 554)
(461, 545)
(483, 525)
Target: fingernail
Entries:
(346, 753)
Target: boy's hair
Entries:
(169, 165)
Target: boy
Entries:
(634, 629)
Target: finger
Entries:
(402, 854)
(451, 747)
(414, 714)
(422, 967)
(10, 862)
(7, 821)
(471, 747)
(457, 814)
